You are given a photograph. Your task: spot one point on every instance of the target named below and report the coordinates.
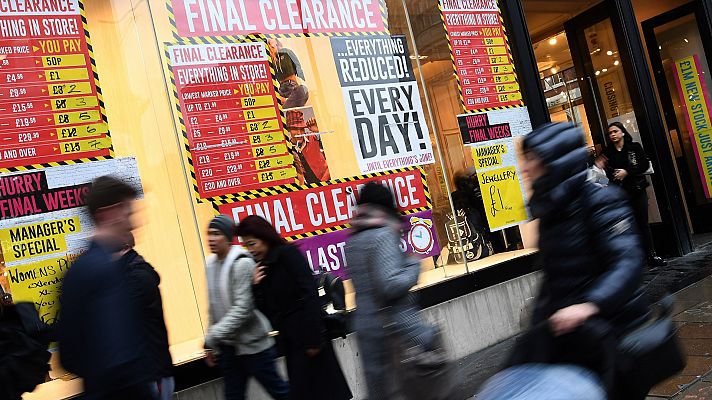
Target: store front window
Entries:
(284, 112)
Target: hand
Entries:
(311, 124)
(258, 275)
(620, 174)
(313, 352)
(601, 161)
(211, 358)
(568, 319)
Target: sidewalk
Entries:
(689, 276)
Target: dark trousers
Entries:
(135, 392)
(639, 202)
(237, 369)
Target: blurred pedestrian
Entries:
(286, 292)
(100, 329)
(625, 163)
(591, 253)
(238, 337)
(387, 318)
(143, 283)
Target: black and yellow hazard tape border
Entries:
(181, 121)
(291, 188)
(457, 76)
(232, 39)
(100, 98)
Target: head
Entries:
(376, 194)
(274, 45)
(129, 245)
(553, 153)
(221, 232)
(295, 124)
(617, 133)
(258, 236)
(110, 204)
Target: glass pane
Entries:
(682, 54)
(610, 81)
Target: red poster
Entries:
(243, 17)
(49, 107)
(331, 205)
(231, 117)
(483, 61)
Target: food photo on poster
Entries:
(44, 226)
(51, 108)
(383, 105)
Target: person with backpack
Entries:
(238, 338)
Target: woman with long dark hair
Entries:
(625, 163)
(286, 292)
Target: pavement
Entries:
(690, 278)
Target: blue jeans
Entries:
(164, 388)
(543, 381)
(237, 369)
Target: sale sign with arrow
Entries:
(50, 103)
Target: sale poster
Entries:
(383, 106)
(44, 226)
(490, 137)
(51, 108)
(202, 18)
(696, 100)
(230, 117)
(326, 252)
(481, 55)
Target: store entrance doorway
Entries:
(679, 48)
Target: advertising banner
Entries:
(303, 211)
(326, 252)
(230, 117)
(480, 54)
(44, 226)
(51, 109)
(695, 98)
(193, 18)
(491, 137)
(383, 104)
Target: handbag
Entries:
(650, 169)
(649, 354)
(427, 373)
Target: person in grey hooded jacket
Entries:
(387, 316)
(238, 337)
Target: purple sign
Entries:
(327, 251)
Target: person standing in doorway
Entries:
(143, 283)
(100, 329)
(286, 291)
(625, 163)
(238, 337)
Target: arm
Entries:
(393, 277)
(618, 245)
(242, 304)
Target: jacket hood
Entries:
(561, 149)
(370, 217)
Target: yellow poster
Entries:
(693, 94)
(39, 283)
(502, 196)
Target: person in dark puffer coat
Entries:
(592, 252)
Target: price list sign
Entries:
(233, 126)
(481, 55)
(50, 102)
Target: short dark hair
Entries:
(106, 191)
(260, 228)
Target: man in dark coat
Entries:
(143, 283)
(100, 335)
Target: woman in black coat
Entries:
(285, 291)
(625, 163)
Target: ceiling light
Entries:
(604, 70)
(598, 73)
(553, 70)
(616, 62)
(627, 121)
(687, 41)
(660, 47)
(553, 41)
(610, 53)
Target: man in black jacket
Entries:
(143, 283)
